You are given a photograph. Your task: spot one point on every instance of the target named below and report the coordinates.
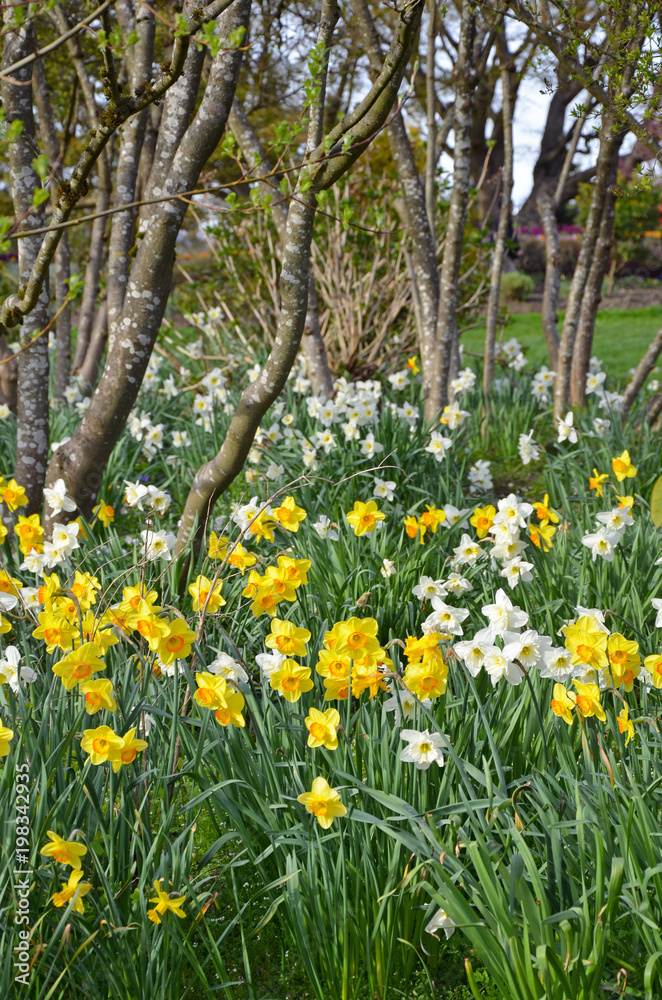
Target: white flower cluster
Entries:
(142, 429)
(542, 385)
(529, 451)
(610, 529)
(512, 353)
(138, 495)
(480, 476)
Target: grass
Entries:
(621, 337)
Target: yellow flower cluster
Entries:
(279, 583)
(428, 521)
(218, 695)
(351, 653)
(541, 534)
(427, 672)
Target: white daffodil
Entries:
(226, 666)
(324, 529)
(566, 429)
(157, 544)
(427, 588)
(498, 666)
(512, 512)
(438, 445)
(616, 520)
(601, 543)
(515, 570)
(557, 664)
(383, 489)
(528, 647)
(503, 616)
(441, 922)
(423, 749)
(56, 497)
(468, 552)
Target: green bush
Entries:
(516, 286)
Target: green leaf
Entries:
(656, 502)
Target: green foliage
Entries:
(516, 286)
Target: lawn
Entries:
(621, 336)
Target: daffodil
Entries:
(427, 678)
(73, 890)
(625, 724)
(211, 690)
(6, 736)
(104, 512)
(13, 495)
(482, 519)
(150, 627)
(544, 512)
(230, 713)
(323, 802)
(653, 665)
(55, 630)
(291, 680)
(165, 904)
(322, 727)
(206, 595)
(98, 694)
(67, 852)
(126, 753)
(587, 642)
(623, 467)
(100, 744)
(331, 664)
(563, 703)
(30, 533)
(588, 701)
(79, 665)
(287, 638)
(218, 546)
(596, 480)
(288, 515)
(365, 517)
(624, 661)
(241, 559)
(541, 535)
(356, 637)
(281, 583)
(176, 645)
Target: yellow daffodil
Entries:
(282, 584)
(323, 802)
(367, 678)
(297, 569)
(291, 680)
(13, 495)
(356, 637)
(265, 601)
(586, 642)
(176, 645)
(8, 585)
(337, 688)
(625, 724)
(206, 595)
(588, 701)
(98, 694)
(241, 559)
(230, 713)
(364, 517)
(544, 512)
(482, 519)
(151, 628)
(288, 515)
(6, 736)
(626, 501)
(322, 727)
(126, 753)
(84, 588)
(263, 526)
(140, 599)
(55, 630)
(211, 692)
(623, 467)
(426, 679)
(563, 703)
(430, 519)
(412, 364)
(104, 512)
(165, 904)
(412, 526)
(330, 664)
(100, 744)
(624, 661)
(218, 547)
(653, 665)
(79, 665)
(67, 852)
(287, 638)
(73, 890)
(596, 480)
(541, 535)
(30, 533)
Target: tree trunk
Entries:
(502, 230)
(552, 287)
(581, 357)
(82, 460)
(90, 368)
(642, 371)
(609, 144)
(32, 386)
(416, 218)
(312, 343)
(457, 212)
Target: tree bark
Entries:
(552, 287)
(312, 342)
(499, 253)
(642, 371)
(416, 218)
(593, 291)
(32, 386)
(457, 212)
(90, 368)
(82, 460)
(63, 254)
(609, 144)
